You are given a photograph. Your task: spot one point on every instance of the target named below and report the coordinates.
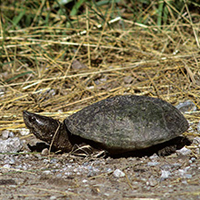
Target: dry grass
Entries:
(57, 70)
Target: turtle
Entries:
(117, 124)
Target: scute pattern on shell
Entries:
(128, 122)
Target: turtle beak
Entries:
(29, 118)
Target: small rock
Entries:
(152, 181)
(108, 170)
(165, 174)
(128, 79)
(176, 166)
(5, 168)
(12, 145)
(183, 172)
(107, 194)
(78, 65)
(188, 175)
(53, 197)
(196, 140)
(198, 127)
(53, 160)
(184, 182)
(45, 152)
(59, 175)
(186, 106)
(184, 151)
(47, 172)
(192, 160)
(38, 156)
(24, 131)
(154, 157)
(99, 81)
(50, 92)
(118, 173)
(197, 151)
(2, 93)
(91, 174)
(8, 166)
(2, 158)
(6, 134)
(166, 167)
(151, 164)
(9, 160)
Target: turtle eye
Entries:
(32, 119)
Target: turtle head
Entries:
(42, 127)
(45, 128)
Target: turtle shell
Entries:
(128, 123)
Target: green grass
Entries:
(21, 14)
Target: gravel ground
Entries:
(66, 176)
(27, 174)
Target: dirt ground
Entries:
(67, 176)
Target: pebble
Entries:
(185, 183)
(68, 174)
(1, 92)
(91, 174)
(166, 167)
(24, 131)
(164, 174)
(92, 171)
(128, 79)
(196, 140)
(5, 134)
(184, 151)
(151, 164)
(7, 166)
(186, 106)
(53, 197)
(39, 156)
(47, 172)
(182, 172)
(176, 165)
(108, 170)
(9, 160)
(154, 157)
(198, 127)
(2, 157)
(197, 151)
(152, 182)
(59, 175)
(11, 145)
(45, 152)
(53, 160)
(46, 161)
(118, 173)
(188, 175)
(192, 160)
(78, 65)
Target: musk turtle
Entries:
(118, 124)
